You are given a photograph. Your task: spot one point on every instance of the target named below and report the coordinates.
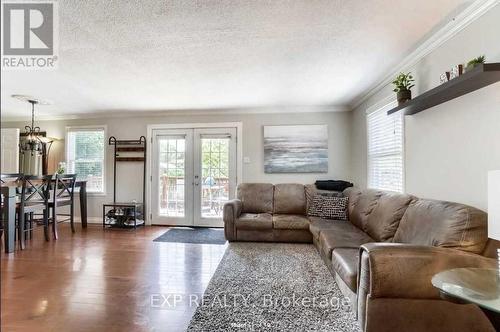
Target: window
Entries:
(85, 155)
(385, 150)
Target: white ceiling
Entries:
(182, 55)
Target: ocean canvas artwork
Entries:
(296, 149)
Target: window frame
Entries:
(384, 106)
(104, 128)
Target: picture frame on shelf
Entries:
(456, 71)
(445, 77)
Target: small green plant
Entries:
(61, 168)
(476, 61)
(403, 82)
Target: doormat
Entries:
(193, 235)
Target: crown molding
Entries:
(188, 112)
(446, 32)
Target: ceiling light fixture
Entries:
(34, 148)
(33, 133)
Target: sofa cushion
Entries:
(317, 224)
(353, 193)
(254, 221)
(343, 235)
(345, 262)
(384, 220)
(310, 191)
(290, 198)
(443, 224)
(363, 206)
(256, 197)
(290, 221)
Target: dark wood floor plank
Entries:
(98, 280)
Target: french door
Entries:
(193, 175)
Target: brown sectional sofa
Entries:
(384, 257)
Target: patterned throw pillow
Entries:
(332, 194)
(329, 207)
(334, 208)
(315, 209)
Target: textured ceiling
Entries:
(156, 55)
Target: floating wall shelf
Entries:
(475, 79)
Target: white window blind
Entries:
(85, 156)
(385, 151)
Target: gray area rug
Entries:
(272, 287)
(193, 235)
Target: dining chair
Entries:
(34, 198)
(62, 195)
(12, 180)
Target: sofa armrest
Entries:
(394, 270)
(231, 212)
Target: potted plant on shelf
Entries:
(474, 62)
(403, 84)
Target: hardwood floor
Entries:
(98, 280)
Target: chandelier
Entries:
(32, 133)
(34, 147)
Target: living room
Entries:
(250, 166)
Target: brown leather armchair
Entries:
(395, 290)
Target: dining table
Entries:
(8, 211)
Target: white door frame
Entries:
(149, 152)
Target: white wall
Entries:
(133, 127)
(451, 147)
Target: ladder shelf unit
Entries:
(126, 214)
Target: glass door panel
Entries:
(172, 177)
(214, 173)
(215, 176)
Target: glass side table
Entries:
(472, 285)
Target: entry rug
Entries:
(272, 287)
(193, 235)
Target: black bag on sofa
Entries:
(335, 185)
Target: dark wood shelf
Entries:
(475, 79)
(129, 149)
(129, 158)
(126, 142)
(123, 204)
